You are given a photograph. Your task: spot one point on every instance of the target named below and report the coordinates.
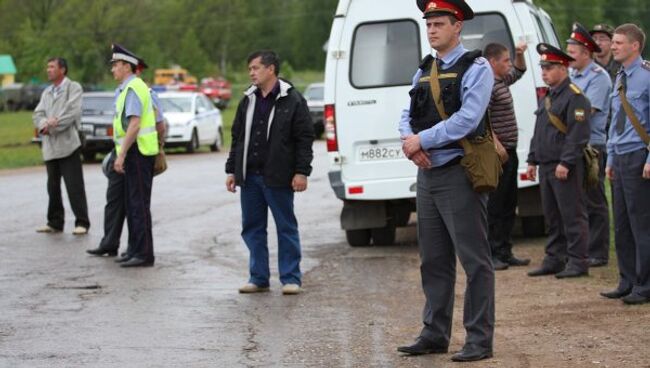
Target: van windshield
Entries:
(485, 29)
(385, 54)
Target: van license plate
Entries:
(87, 128)
(378, 153)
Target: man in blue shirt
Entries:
(628, 166)
(595, 83)
(452, 217)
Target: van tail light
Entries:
(541, 92)
(109, 131)
(330, 129)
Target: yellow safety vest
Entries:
(147, 136)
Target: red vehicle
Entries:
(218, 90)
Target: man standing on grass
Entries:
(57, 118)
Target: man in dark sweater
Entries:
(503, 201)
(270, 159)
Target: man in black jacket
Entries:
(270, 159)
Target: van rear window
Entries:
(384, 54)
(484, 29)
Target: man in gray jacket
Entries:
(57, 118)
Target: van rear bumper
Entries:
(386, 189)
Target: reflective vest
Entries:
(147, 136)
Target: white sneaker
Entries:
(80, 230)
(47, 229)
(251, 288)
(291, 289)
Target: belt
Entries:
(452, 162)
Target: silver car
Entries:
(314, 96)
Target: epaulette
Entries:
(597, 69)
(575, 89)
(645, 65)
(480, 60)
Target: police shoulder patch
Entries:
(575, 89)
(480, 60)
(579, 114)
(645, 65)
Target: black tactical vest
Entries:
(423, 111)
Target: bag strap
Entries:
(630, 114)
(557, 123)
(434, 83)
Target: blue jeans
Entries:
(256, 198)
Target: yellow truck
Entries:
(173, 76)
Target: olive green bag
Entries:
(590, 154)
(481, 160)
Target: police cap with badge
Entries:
(580, 36)
(603, 28)
(457, 8)
(551, 55)
(120, 53)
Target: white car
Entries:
(193, 121)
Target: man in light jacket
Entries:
(57, 118)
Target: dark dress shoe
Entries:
(514, 261)
(122, 258)
(595, 262)
(543, 271)
(99, 251)
(616, 293)
(634, 298)
(498, 265)
(136, 262)
(472, 353)
(570, 273)
(423, 346)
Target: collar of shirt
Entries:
(125, 82)
(634, 66)
(272, 95)
(453, 56)
(560, 87)
(56, 89)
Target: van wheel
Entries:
(358, 238)
(384, 235)
(193, 144)
(533, 226)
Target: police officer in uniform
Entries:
(452, 217)
(628, 166)
(115, 208)
(136, 145)
(561, 169)
(596, 85)
(602, 35)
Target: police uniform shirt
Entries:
(638, 95)
(155, 101)
(594, 82)
(549, 145)
(132, 104)
(476, 87)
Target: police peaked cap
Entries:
(457, 8)
(552, 55)
(603, 28)
(122, 54)
(580, 36)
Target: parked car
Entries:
(314, 96)
(19, 96)
(218, 90)
(363, 102)
(193, 121)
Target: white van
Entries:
(374, 49)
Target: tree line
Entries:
(210, 37)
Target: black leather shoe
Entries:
(595, 262)
(498, 265)
(99, 251)
(543, 271)
(471, 353)
(570, 273)
(122, 258)
(633, 299)
(515, 262)
(616, 293)
(423, 346)
(136, 262)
